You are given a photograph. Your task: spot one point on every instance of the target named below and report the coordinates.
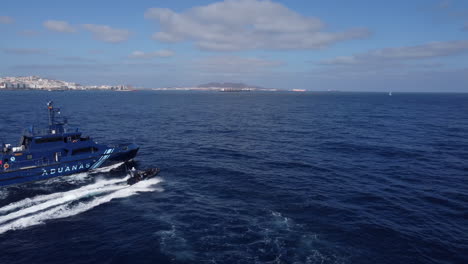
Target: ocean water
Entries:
(249, 178)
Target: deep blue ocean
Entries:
(249, 178)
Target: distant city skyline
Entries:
(39, 83)
(421, 45)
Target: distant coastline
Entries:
(36, 83)
(45, 84)
(219, 87)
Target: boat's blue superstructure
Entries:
(57, 151)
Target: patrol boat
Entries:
(57, 151)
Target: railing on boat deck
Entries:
(29, 163)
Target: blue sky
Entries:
(418, 45)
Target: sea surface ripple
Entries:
(249, 178)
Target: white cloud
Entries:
(406, 63)
(107, 33)
(29, 33)
(246, 24)
(424, 51)
(6, 20)
(77, 59)
(147, 55)
(444, 4)
(95, 51)
(59, 26)
(233, 65)
(21, 51)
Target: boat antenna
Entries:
(53, 125)
(50, 107)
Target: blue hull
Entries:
(38, 173)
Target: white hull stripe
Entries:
(103, 158)
(95, 164)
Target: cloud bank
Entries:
(6, 20)
(58, 26)
(28, 33)
(107, 34)
(20, 51)
(465, 28)
(424, 51)
(234, 25)
(148, 55)
(234, 64)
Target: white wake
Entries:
(44, 198)
(36, 210)
(108, 168)
(82, 176)
(3, 193)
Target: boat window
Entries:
(73, 139)
(57, 156)
(84, 150)
(48, 140)
(25, 141)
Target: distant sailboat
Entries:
(390, 94)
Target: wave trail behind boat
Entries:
(37, 210)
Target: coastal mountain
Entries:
(229, 85)
(220, 87)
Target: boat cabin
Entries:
(49, 145)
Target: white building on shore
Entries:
(39, 83)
